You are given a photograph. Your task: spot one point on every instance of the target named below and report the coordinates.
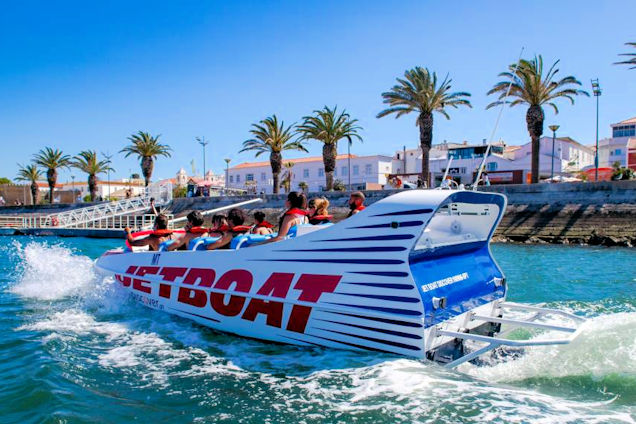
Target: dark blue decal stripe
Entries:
(374, 238)
(196, 315)
(395, 286)
(381, 309)
(411, 212)
(373, 339)
(302, 341)
(378, 330)
(383, 297)
(351, 249)
(339, 261)
(384, 320)
(382, 273)
(375, 349)
(389, 225)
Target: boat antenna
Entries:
(494, 130)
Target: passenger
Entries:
(295, 215)
(159, 234)
(318, 211)
(235, 219)
(219, 221)
(193, 230)
(261, 227)
(356, 203)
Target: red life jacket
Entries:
(240, 229)
(361, 208)
(296, 211)
(320, 219)
(264, 224)
(198, 230)
(162, 233)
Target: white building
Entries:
(616, 148)
(367, 172)
(116, 188)
(505, 164)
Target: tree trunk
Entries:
(276, 162)
(51, 178)
(425, 122)
(147, 165)
(34, 193)
(92, 186)
(534, 119)
(329, 153)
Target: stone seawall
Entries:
(601, 213)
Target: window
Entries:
(238, 178)
(356, 170)
(305, 173)
(492, 166)
(335, 171)
(249, 177)
(231, 178)
(321, 172)
(398, 156)
(345, 171)
(624, 131)
(263, 176)
(368, 169)
(616, 152)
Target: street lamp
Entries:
(108, 161)
(596, 89)
(349, 162)
(73, 178)
(203, 143)
(553, 128)
(227, 172)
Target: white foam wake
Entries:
(606, 345)
(52, 272)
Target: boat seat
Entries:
(163, 246)
(200, 243)
(246, 240)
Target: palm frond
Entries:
(49, 158)
(145, 145)
(421, 91)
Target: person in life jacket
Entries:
(193, 229)
(159, 234)
(235, 219)
(261, 226)
(318, 212)
(356, 203)
(219, 221)
(294, 215)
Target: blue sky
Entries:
(86, 75)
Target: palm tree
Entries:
(147, 148)
(32, 174)
(87, 162)
(287, 177)
(329, 127)
(303, 186)
(273, 138)
(529, 85)
(51, 160)
(419, 92)
(632, 56)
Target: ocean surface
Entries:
(73, 348)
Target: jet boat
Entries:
(412, 274)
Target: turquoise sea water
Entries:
(75, 349)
